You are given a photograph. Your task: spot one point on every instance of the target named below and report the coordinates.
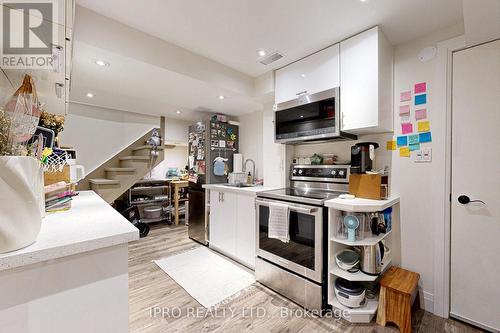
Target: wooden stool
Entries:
(398, 289)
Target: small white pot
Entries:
(22, 204)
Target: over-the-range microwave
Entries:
(310, 118)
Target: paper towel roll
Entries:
(238, 163)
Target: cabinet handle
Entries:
(301, 93)
(223, 196)
(219, 196)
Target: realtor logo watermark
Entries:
(28, 33)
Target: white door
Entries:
(475, 227)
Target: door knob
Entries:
(464, 200)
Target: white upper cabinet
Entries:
(315, 73)
(366, 65)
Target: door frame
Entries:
(442, 241)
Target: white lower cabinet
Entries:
(232, 225)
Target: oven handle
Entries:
(292, 207)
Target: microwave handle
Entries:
(292, 207)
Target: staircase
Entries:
(115, 176)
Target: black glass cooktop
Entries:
(300, 194)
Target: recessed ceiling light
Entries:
(363, 0)
(221, 97)
(90, 95)
(302, 75)
(261, 53)
(301, 116)
(101, 63)
(178, 112)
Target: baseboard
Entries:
(428, 301)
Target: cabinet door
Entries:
(315, 73)
(359, 81)
(223, 221)
(216, 219)
(245, 229)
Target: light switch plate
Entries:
(423, 155)
(427, 154)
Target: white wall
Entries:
(422, 186)
(251, 140)
(273, 154)
(98, 133)
(176, 132)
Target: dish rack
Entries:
(363, 236)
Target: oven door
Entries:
(303, 253)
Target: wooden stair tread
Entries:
(142, 158)
(146, 147)
(400, 280)
(104, 181)
(120, 169)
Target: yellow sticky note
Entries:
(391, 145)
(424, 126)
(404, 152)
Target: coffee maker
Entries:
(362, 156)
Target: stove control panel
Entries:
(321, 173)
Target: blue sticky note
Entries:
(412, 139)
(414, 146)
(420, 99)
(425, 137)
(402, 140)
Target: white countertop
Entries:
(361, 205)
(89, 225)
(243, 190)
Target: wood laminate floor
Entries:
(256, 309)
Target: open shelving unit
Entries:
(158, 193)
(367, 311)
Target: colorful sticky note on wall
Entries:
(402, 140)
(404, 109)
(420, 88)
(424, 126)
(407, 128)
(420, 114)
(415, 146)
(404, 152)
(391, 145)
(412, 139)
(425, 137)
(405, 118)
(420, 99)
(405, 96)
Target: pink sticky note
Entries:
(404, 109)
(407, 128)
(405, 96)
(420, 114)
(420, 87)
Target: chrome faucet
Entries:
(253, 168)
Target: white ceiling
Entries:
(136, 86)
(230, 31)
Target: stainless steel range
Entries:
(297, 269)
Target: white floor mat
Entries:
(205, 275)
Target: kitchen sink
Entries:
(239, 185)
